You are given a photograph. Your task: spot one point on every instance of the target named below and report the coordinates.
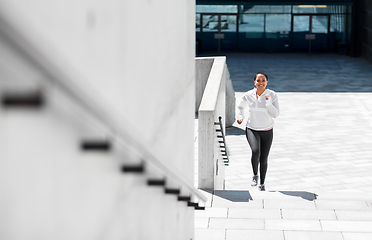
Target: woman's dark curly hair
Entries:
(267, 78)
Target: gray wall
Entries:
(136, 60)
(363, 29)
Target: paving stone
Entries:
(220, 202)
(210, 234)
(212, 212)
(253, 235)
(357, 236)
(307, 235)
(291, 214)
(201, 222)
(347, 226)
(282, 195)
(292, 204)
(234, 223)
(353, 215)
(300, 225)
(254, 213)
(341, 196)
(342, 205)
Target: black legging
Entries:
(260, 143)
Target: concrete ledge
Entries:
(203, 67)
(211, 168)
(214, 84)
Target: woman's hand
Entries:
(239, 121)
(267, 96)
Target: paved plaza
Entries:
(319, 180)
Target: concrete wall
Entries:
(211, 169)
(136, 58)
(230, 101)
(203, 66)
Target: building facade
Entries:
(342, 26)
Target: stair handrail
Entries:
(30, 50)
(223, 137)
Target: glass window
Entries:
(277, 25)
(210, 23)
(301, 23)
(265, 8)
(304, 9)
(337, 22)
(318, 9)
(336, 9)
(197, 20)
(216, 8)
(252, 25)
(319, 24)
(228, 23)
(338, 25)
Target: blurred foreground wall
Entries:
(136, 60)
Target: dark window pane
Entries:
(301, 23)
(319, 24)
(228, 23)
(210, 23)
(252, 25)
(337, 22)
(277, 25)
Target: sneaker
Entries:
(261, 187)
(254, 180)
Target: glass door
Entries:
(301, 28)
(218, 32)
(310, 33)
(319, 28)
(209, 28)
(228, 31)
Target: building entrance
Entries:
(272, 28)
(310, 33)
(218, 32)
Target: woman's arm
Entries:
(241, 106)
(272, 106)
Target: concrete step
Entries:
(255, 194)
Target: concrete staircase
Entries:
(285, 215)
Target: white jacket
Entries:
(261, 111)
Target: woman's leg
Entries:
(254, 140)
(266, 141)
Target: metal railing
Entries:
(119, 132)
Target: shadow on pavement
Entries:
(233, 195)
(304, 195)
(234, 131)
